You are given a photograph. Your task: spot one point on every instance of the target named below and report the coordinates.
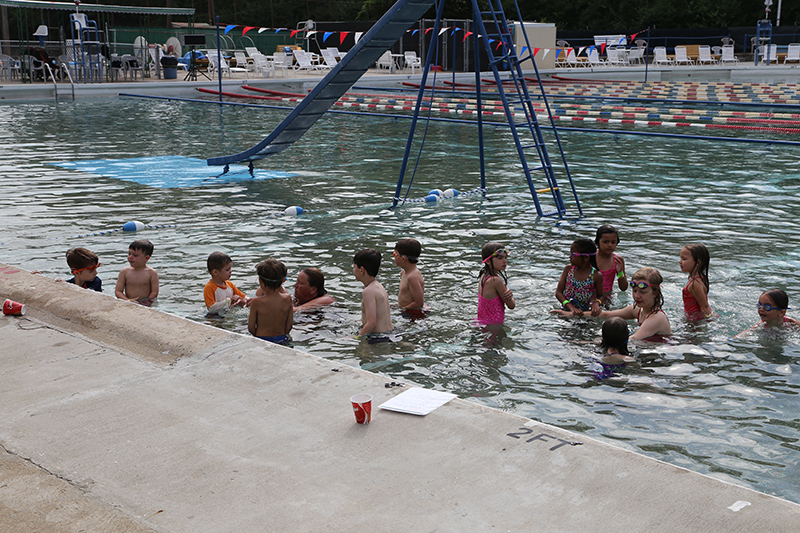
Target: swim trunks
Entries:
(279, 339)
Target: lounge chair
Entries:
(769, 53)
(573, 61)
(329, 59)
(303, 61)
(243, 62)
(792, 53)
(223, 66)
(660, 56)
(728, 56)
(594, 59)
(704, 55)
(251, 51)
(681, 58)
(636, 55)
(617, 57)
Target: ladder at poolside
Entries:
(493, 26)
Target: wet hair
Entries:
(142, 245)
(615, 334)
(369, 259)
(586, 246)
(779, 297)
(700, 255)
(602, 230)
(652, 277)
(411, 248)
(218, 261)
(316, 279)
(78, 258)
(487, 269)
(271, 272)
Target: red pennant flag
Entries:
(247, 29)
(426, 31)
(602, 48)
(293, 33)
(342, 35)
(498, 45)
(536, 51)
(633, 36)
(466, 34)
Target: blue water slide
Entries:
(358, 60)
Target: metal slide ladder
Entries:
(400, 17)
(514, 94)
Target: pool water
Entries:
(727, 408)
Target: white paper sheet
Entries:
(417, 401)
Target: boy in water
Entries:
(83, 264)
(219, 293)
(138, 282)
(411, 298)
(271, 315)
(375, 313)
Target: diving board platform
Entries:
(399, 18)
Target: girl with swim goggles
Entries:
(772, 306)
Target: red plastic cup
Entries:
(10, 307)
(362, 407)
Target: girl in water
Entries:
(615, 348)
(493, 295)
(580, 287)
(610, 265)
(646, 309)
(772, 306)
(694, 261)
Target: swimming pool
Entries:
(713, 405)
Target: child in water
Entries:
(646, 309)
(610, 265)
(694, 261)
(772, 306)
(615, 348)
(580, 287)
(493, 295)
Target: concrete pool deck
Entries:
(305, 81)
(122, 418)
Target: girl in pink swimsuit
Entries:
(493, 295)
(694, 261)
(610, 265)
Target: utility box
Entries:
(540, 35)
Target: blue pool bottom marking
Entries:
(169, 171)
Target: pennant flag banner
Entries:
(247, 29)
(342, 35)
(229, 27)
(326, 35)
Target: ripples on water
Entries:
(714, 405)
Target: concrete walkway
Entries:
(121, 418)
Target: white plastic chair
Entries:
(704, 55)
(792, 53)
(214, 64)
(329, 58)
(772, 50)
(303, 61)
(412, 60)
(385, 61)
(728, 56)
(132, 66)
(9, 67)
(681, 58)
(263, 65)
(660, 56)
(243, 62)
(594, 58)
(636, 55)
(283, 62)
(616, 56)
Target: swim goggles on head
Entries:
(580, 254)
(92, 267)
(500, 252)
(768, 308)
(267, 280)
(642, 285)
(409, 257)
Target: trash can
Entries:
(170, 66)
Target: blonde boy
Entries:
(375, 313)
(271, 315)
(412, 286)
(138, 281)
(220, 294)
